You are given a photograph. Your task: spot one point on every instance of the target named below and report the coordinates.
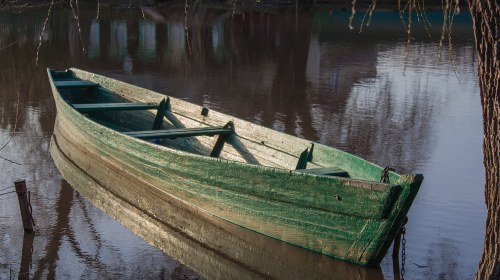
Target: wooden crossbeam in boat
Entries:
(164, 104)
(100, 107)
(179, 132)
(57, 75)
(305, 157)
(221, 140)
(325, 171)
(75, 84)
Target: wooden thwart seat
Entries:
(125, 106)
(160, 113)
(223, 132)
(65, 84)
(222, 140)
(100, 107)
(156, 132)
(325, 171)
(60, 75)
(307, 156)
(179, 132)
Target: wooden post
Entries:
(22, 191)
(397, 241)
(24, 270)
(219, 144)
(395, 267)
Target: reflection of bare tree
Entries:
(61, 231)
(90, 222)
(16, 73)
(445, 266)
(27, 252)
(64, 232)
(50, 260)
(289, 86)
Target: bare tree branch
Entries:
(43, 31)
(11, 44)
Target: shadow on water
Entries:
(306, 75)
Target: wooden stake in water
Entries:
(24, 206)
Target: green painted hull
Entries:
(252, 184)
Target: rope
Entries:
(5, 189)
(5, 198)
(31, 209)
(44, 196)
(35, 194)
(7, 193)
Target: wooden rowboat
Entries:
(199, 172)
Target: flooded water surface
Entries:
(415, 108)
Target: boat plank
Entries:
(160, 113)
(64, 84)
(100, 107)
(178, 132)
(326, 171)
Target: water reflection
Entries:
(73, 239)
(232, 252)
(26, 256)
(94, 49)
(305, 75)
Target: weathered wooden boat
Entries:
(199, 172)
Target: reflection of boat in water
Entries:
(233, 252)
(312, 196)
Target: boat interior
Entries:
(160, 123)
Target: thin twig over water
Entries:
(76, 15)
(353, 12)
(16, 6)
(11, 44)
(13, 130)
(407, 9)
(369, 12)
(186, 28)
(98, 8)
(43, 31)
(15, 123)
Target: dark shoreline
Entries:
(260, 5)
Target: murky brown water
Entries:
(305, 75)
